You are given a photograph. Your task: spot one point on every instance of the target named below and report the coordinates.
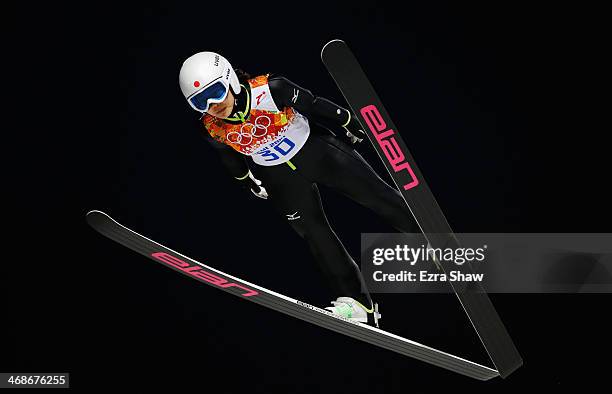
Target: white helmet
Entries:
(205, 78)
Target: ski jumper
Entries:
(282, 129)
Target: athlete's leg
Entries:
(298, 200)
(341, 168)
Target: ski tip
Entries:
(325, 46)
(94, 217)
(94, 212)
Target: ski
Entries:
(354, 85)
(110, 228)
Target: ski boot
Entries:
(354, 310)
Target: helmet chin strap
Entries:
(241, 115)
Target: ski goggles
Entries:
(214, 93)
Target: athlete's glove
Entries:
(254, 184)
(353, 130)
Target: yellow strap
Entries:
(349, 119)
(244, 177)
(290, 164)
(241, 115)
(366, 309)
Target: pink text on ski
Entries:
(198, 272)
(388, 143)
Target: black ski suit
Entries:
(328, 160)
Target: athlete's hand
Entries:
(259, 190)
(353, 131)
(354, 139)
(254, 184)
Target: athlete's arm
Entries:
(287, 94)
(234, 162)
(237, 166)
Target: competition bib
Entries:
(269, 135)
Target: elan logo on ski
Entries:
(199, 273)
(388, 144)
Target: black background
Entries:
(499, 104)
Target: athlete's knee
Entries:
(312, 228)
(298, 227)
(301, 225)
(380, 197)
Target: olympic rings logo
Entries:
(249, 131)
